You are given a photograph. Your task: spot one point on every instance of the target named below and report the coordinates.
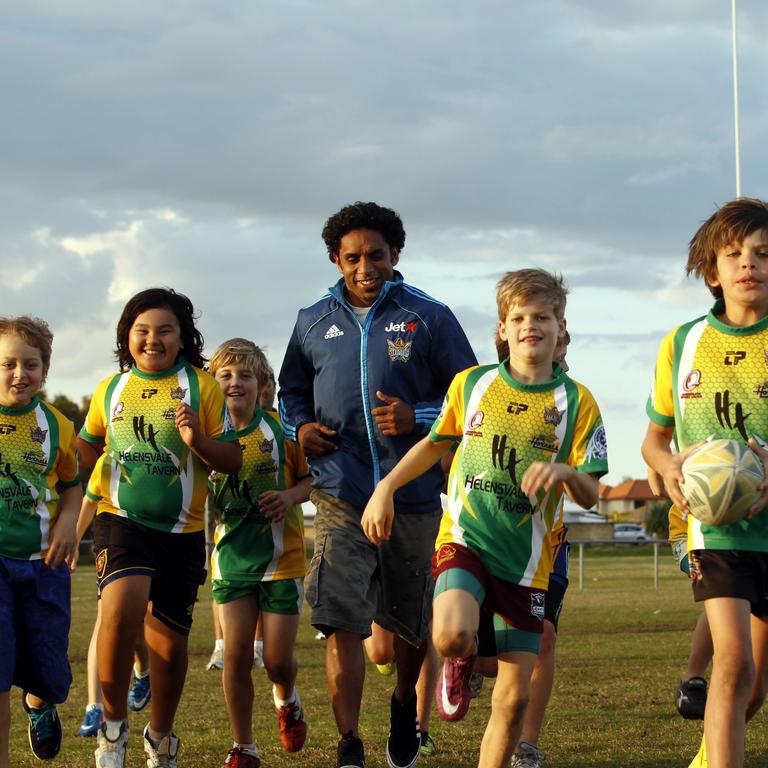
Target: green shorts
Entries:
(283, 596)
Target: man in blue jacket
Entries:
(363, 379)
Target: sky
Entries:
(203, 145)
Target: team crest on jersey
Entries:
(265, 446)
(597, 447)
(474, 424)
(537, 605)
(553, 416)
(38, 435)
(399, 351)
(444, 554)
(101, 564)
(177, 393)
(117, 410)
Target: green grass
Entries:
(621, 649)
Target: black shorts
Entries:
(731, 573)
(174, 561)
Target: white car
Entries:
(629, 532)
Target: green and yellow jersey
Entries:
(38, 460)
(147, 473)
(248, 546)
(711, 380)
(504, 426)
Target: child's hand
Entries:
(378, 515)
(188, 424)
(762, 502)
(275, 505)
(542, 474)
(63, 543)
(394, 418)
(672, 475)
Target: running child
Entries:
(259, 560)
(40, 497)
(708, 382)
(155, 431)
(527, 434)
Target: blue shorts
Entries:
(34, 616)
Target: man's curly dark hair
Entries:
(363, 216)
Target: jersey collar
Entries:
(733, 330)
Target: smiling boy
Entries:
(41, 494)
(526, 434)
(711, 380)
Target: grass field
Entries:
(621, 648)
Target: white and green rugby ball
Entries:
(720, 481)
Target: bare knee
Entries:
(453, 642)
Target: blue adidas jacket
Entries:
(410, 347)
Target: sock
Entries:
(219, 644)
(112, 728)
(258, 646)
(157, 736)
(95, 705)
(292, 699)
(249, 749)
(138, 674)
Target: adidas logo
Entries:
(333, 332)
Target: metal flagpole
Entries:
(736, 99)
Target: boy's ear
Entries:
(502, 330)
(394, 256)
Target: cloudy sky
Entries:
(202, 145)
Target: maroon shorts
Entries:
(520, 607)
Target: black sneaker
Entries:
(350, 753)
(691, 698)
(404, 742)
(44, 730)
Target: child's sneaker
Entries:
(92, 718)
(162, 755)
(350, 752)
(140, 693)
(475, 684)
(526, 756)
(44, 730)
(691, 698)
(386, 669)
(236, 758)
(452, 693)
(293, 727)
(404, 742)
(111, 754)
(258, 658)
(428, 748)
(700, 761)
(217, 660)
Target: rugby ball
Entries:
(720, 481)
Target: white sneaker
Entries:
(164, 754)
(527, 756)
(216, 661)
(111, 754)
(258, 658)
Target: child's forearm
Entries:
(416, 462)
(225, 457)
(583, 489)
(656, 448)
(85, 518)
(299, 493)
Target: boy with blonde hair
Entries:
(527, 433)
(40, 498)
(710, 381)
(258, 562)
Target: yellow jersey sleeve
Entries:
(661, 405)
